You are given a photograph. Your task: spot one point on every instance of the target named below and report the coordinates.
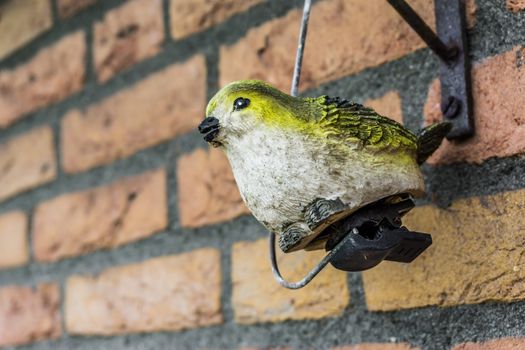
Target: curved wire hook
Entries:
(313, 272)
(300, 48)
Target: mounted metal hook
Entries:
(449, 44)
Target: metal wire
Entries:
(313, 272)
(300, 48)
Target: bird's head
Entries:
(244, 105)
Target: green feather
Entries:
(351, 122)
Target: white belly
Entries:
(279, 173)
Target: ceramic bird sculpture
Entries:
(303, 163)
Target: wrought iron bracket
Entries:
(450, 44)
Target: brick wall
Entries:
(121, 229)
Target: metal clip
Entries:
(361, 241)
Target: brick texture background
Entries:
(69, 8)
(52, 74)
(22, 21)
(14, 248)
(120, 299)
(499, 344)
(459, 242)
(109, 216)
(27, 160)
(121, 229)
(208, 193)
(127, 35)
(29, 314)
(138, 117)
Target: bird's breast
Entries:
(280, 172)
(277, 173)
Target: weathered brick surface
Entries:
(163, 294)
(497, 344)
(516, 5)
(191, 16)
(127, 35)
(162, 106)
(207, 192)
(477, 256)
(257, 297)
(29, 314)
(388, 105)
(69, 8)
(54, 73)
(104, 217)
(14, 249)
(378, 346)
(26, 161)
(498, 88)
(349, 44)
(21, 21)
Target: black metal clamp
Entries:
(362, 240)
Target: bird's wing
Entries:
(354, 123)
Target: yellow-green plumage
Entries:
(335, 119)
(287, 152)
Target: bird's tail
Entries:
(430, 138)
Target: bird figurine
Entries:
(302, 163)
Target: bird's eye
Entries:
(240, 103)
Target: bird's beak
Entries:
(210, 129)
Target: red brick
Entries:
(191, 16)
(378, 346)
(29, 314)
(516, 5)
(27, 161)
(388, 105)
(105, 217)
(345, 37)
(257, 297)
(69, 8)
(127, 35)
(476, 256)
(207, 192)
(498, 88)
(169, 293)
(14, 250)
(22, 21)
(160, 107)
(54, 73)
(498, 344)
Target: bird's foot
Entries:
(292, 236)
(320, 210)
